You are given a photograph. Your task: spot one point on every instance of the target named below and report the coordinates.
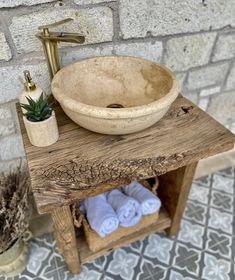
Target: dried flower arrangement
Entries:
(13, 208)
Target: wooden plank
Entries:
(65, 237)
(82, 162)
(86, 255)
(173, 192)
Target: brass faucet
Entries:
(51, 39)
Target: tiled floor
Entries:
(203, 249)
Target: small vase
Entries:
(44, 133)
(14, 260)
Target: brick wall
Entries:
(196, 39)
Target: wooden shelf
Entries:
(83, 163)
(86, 255)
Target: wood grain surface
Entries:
(65, 237)
(173, 191)
(84, 163)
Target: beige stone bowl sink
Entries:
(92, 91)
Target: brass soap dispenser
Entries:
(30, 89)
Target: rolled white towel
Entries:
(100, 215)
(149, 202)
(127, 208)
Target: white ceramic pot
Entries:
(44, 133)
(14, 260)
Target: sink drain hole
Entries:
(115, 106)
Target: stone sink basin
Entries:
(115, 94)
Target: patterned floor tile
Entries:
(222, 201)
(123, 264)
(86, 274)
(203, 249)
(187, 259)
(216, 268)
(228, 172)
(223, 183)
(204, 181)
(199, 194)
(151, 271)
(159, 249)
(214, 237)
(41, 258)
(178, 275)
(191, 233)
(195, 212)
(221, 220)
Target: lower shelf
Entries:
(86, 255)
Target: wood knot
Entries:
(184, 110)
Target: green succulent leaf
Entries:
(37, 110)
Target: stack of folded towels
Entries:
(124, 207)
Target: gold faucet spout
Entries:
(51, 39)
(66, 37)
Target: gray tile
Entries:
(215, 267)
(204, 181)
(123, 264)
(214, 237)
(228, 172)
(86, 273)
(187, 259)
(223, 184)
(221, 221)
(159, 249)
(191, 234)
(147, 270)
(174, 274)
(195, 212)
(199, 194)
(223, 201)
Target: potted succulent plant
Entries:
(13, 223)
(40, 122)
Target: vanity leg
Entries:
(65, 237)
(173, 191)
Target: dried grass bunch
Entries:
(13, 207)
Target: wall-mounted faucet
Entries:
(51, 39)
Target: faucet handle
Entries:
(55, 24)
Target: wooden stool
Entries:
(83, 164)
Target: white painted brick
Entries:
(11, 147)
(10, 79)
(180, 78)
(14, 3)
(5, 113)
(5, 52)
(192, 96)
(87, 52)
(203, 103)
(147, 50)
(85, 2)
(222, 107)
(7, 127)
(138, 17)
(225, 47)
(96, 24)
(230, 84)
(207, 76)
(186, 52)
(209, 91)
(8, 166)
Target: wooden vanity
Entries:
(83, 163)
